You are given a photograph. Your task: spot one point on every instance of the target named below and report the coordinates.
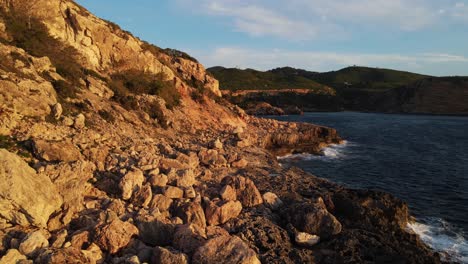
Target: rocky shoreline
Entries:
(90, 177)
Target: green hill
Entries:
(277, 79)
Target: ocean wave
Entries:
(443, 238)
(332, 152)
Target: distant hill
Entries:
(282, 78)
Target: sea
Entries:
(420, 159)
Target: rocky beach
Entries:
(102, 162)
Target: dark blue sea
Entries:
(421, 159)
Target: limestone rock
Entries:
(33, 242)
(12, 256)
(217, 214)
(26, 198)
(306, 240)
(246, 190)
(115, 235)
(226, 250)
(173, 192)
(313, 218)
(56, 151)
(164, 255)
(130, 183)
(79, 122)
(272, 200)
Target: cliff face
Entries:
(115, 151)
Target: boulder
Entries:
(26, 198)
(114, 236)
(64, 255)
(225, 250)
(173, 192)
(220, 213)
(272, 200)
(186, 178)
(57, 111)
(217, 144)
(33, 242)
(161, 202)
(211, 157)
(188, 238)
(313, 218)
(79, 122)
(246, 191)
(131, 182)
(170, 256)
(192, 213)
(158, 180)
(56, 151)
(242, 163)
(12, 256)
(142, 197)
(228, 193)
(306, 240)
(156, 232)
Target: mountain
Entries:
(355, 89)
(113, 150)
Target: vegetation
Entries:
(236, 79)
(127, 84)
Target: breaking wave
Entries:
(332, 152)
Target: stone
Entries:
(59, 238)
(246, 191)
(114, 236)
(313, 218)
(131, 182)
(164, 255)
(306, 240)
(217, 214)
(33, 242)
(26, 198)
(161, 202)
(80, 239)
(156, 232)
(228, 193)
(12, 256)
(211, 157)
(188, 238)
(272, 201)
(142, 197)
(225, 249)
(217, 144)
(190, 193)
(186, 178)
(79, 122)
(56, 151)
(159, 180)
(173, 192)
(64, 255)
(57, 111)
(192, 213)
(242, 163)
(94, 254)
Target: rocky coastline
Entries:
(90, 177)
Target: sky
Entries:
(423, 36)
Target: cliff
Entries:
(113, 150)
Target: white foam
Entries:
(332, 152)
(440, 236)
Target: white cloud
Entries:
(322, 61)
(306, 19)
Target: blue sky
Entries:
(424, 36)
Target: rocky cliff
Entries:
(113, 150)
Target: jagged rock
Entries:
(79, 239)
(211, 157)
(192, 213)
(217, 144)
(272, 200)
(220, 213)
(94, 254)
(12, 256)
(225, 249)
(306, 240)
(117, 206)
(246, 190)
(188, 238)
(191, 159)
(142, 197)
(159, 180)
(228, 193)
(79, 122)
(59, 238)
(156, 232)
(242, 163)
(26, 198)
(130, 183)
(115, 235)
(215, 231)
(190, 192)
(164, 255)
(64, 255)
(173, 192)
(57, 111)
(186, 179)
(313, 218)
(161, 202)
(167, 164)
(56, 151)
(33, 242)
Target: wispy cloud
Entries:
(307, 19)
(321, 61)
